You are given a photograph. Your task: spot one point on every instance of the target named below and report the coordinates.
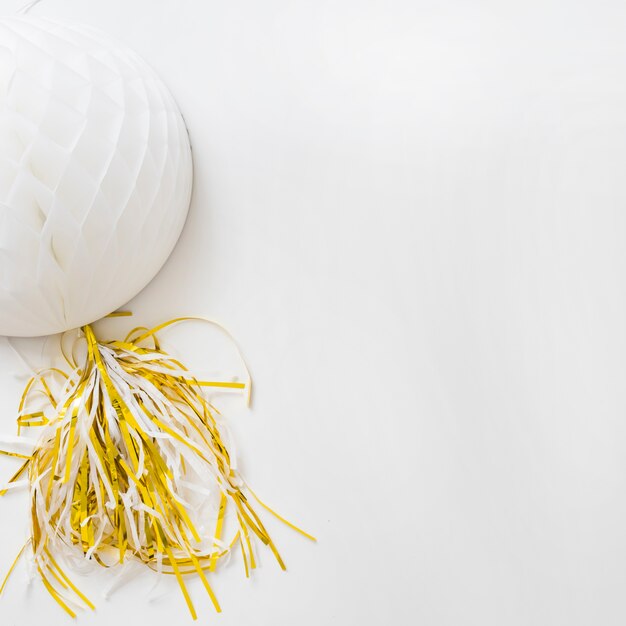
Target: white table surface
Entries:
(412, 216)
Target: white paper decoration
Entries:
(95, 175)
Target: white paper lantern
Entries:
(95, 175)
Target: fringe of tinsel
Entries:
(131, 457)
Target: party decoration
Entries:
(132, 460)
(94, 158)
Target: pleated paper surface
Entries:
(95, 175)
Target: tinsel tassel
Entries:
(129, 457)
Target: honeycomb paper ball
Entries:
(95, 175)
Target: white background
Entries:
(412, 216)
